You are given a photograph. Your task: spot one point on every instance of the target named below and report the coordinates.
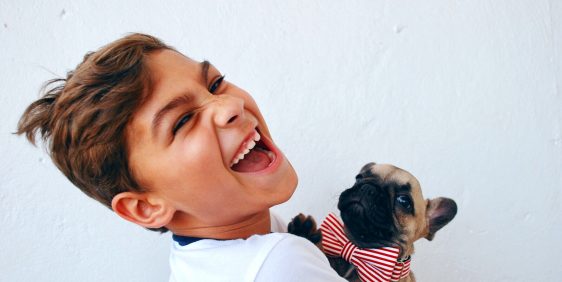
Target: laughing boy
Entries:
(167, 143)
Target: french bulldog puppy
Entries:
(384, 208)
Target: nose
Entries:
(227, 110)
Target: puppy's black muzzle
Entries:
(367, 212)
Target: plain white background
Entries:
(463, 94)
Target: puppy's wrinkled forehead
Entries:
(388, 173)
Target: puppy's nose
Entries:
(349, 197)
(356, 197)
(349, 201)
(353, 207)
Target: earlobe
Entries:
(142, 209)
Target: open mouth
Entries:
(255, 154)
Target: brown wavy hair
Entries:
(82, 118)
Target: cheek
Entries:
(408, 225)
(179, 167)
(405, 223)
(201, 194)
(421, 219)
(419, 228)
(251, 106)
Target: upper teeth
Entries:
(249, 145)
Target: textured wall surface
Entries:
(463, 94)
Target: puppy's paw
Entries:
(305, 226)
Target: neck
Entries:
(406, 250)
(255, 224)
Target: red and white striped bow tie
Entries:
(378, 265)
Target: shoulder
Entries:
(294, 258)
(298, 246)
(239, 260)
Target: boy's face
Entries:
(184, 140)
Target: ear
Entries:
(439, 212)
(365, 171)
(142, 209)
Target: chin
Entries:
(285, 189)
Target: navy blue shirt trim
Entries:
(185, 240)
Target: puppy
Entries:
(384, 208)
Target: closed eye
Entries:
(216, 84)
(181, 122)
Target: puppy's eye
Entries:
(405, 202)
(216, 84)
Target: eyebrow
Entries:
(180, 100)
(404, 188)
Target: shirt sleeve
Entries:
(296, 259)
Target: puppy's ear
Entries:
(440, 211)
(365, 171)
(142, 209)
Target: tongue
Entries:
(255, 160)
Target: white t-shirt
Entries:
(269, 258)
(272, 257)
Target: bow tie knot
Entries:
(379, 265)
(348, 250)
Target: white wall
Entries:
(463, 94)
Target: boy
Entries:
(168, 144)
